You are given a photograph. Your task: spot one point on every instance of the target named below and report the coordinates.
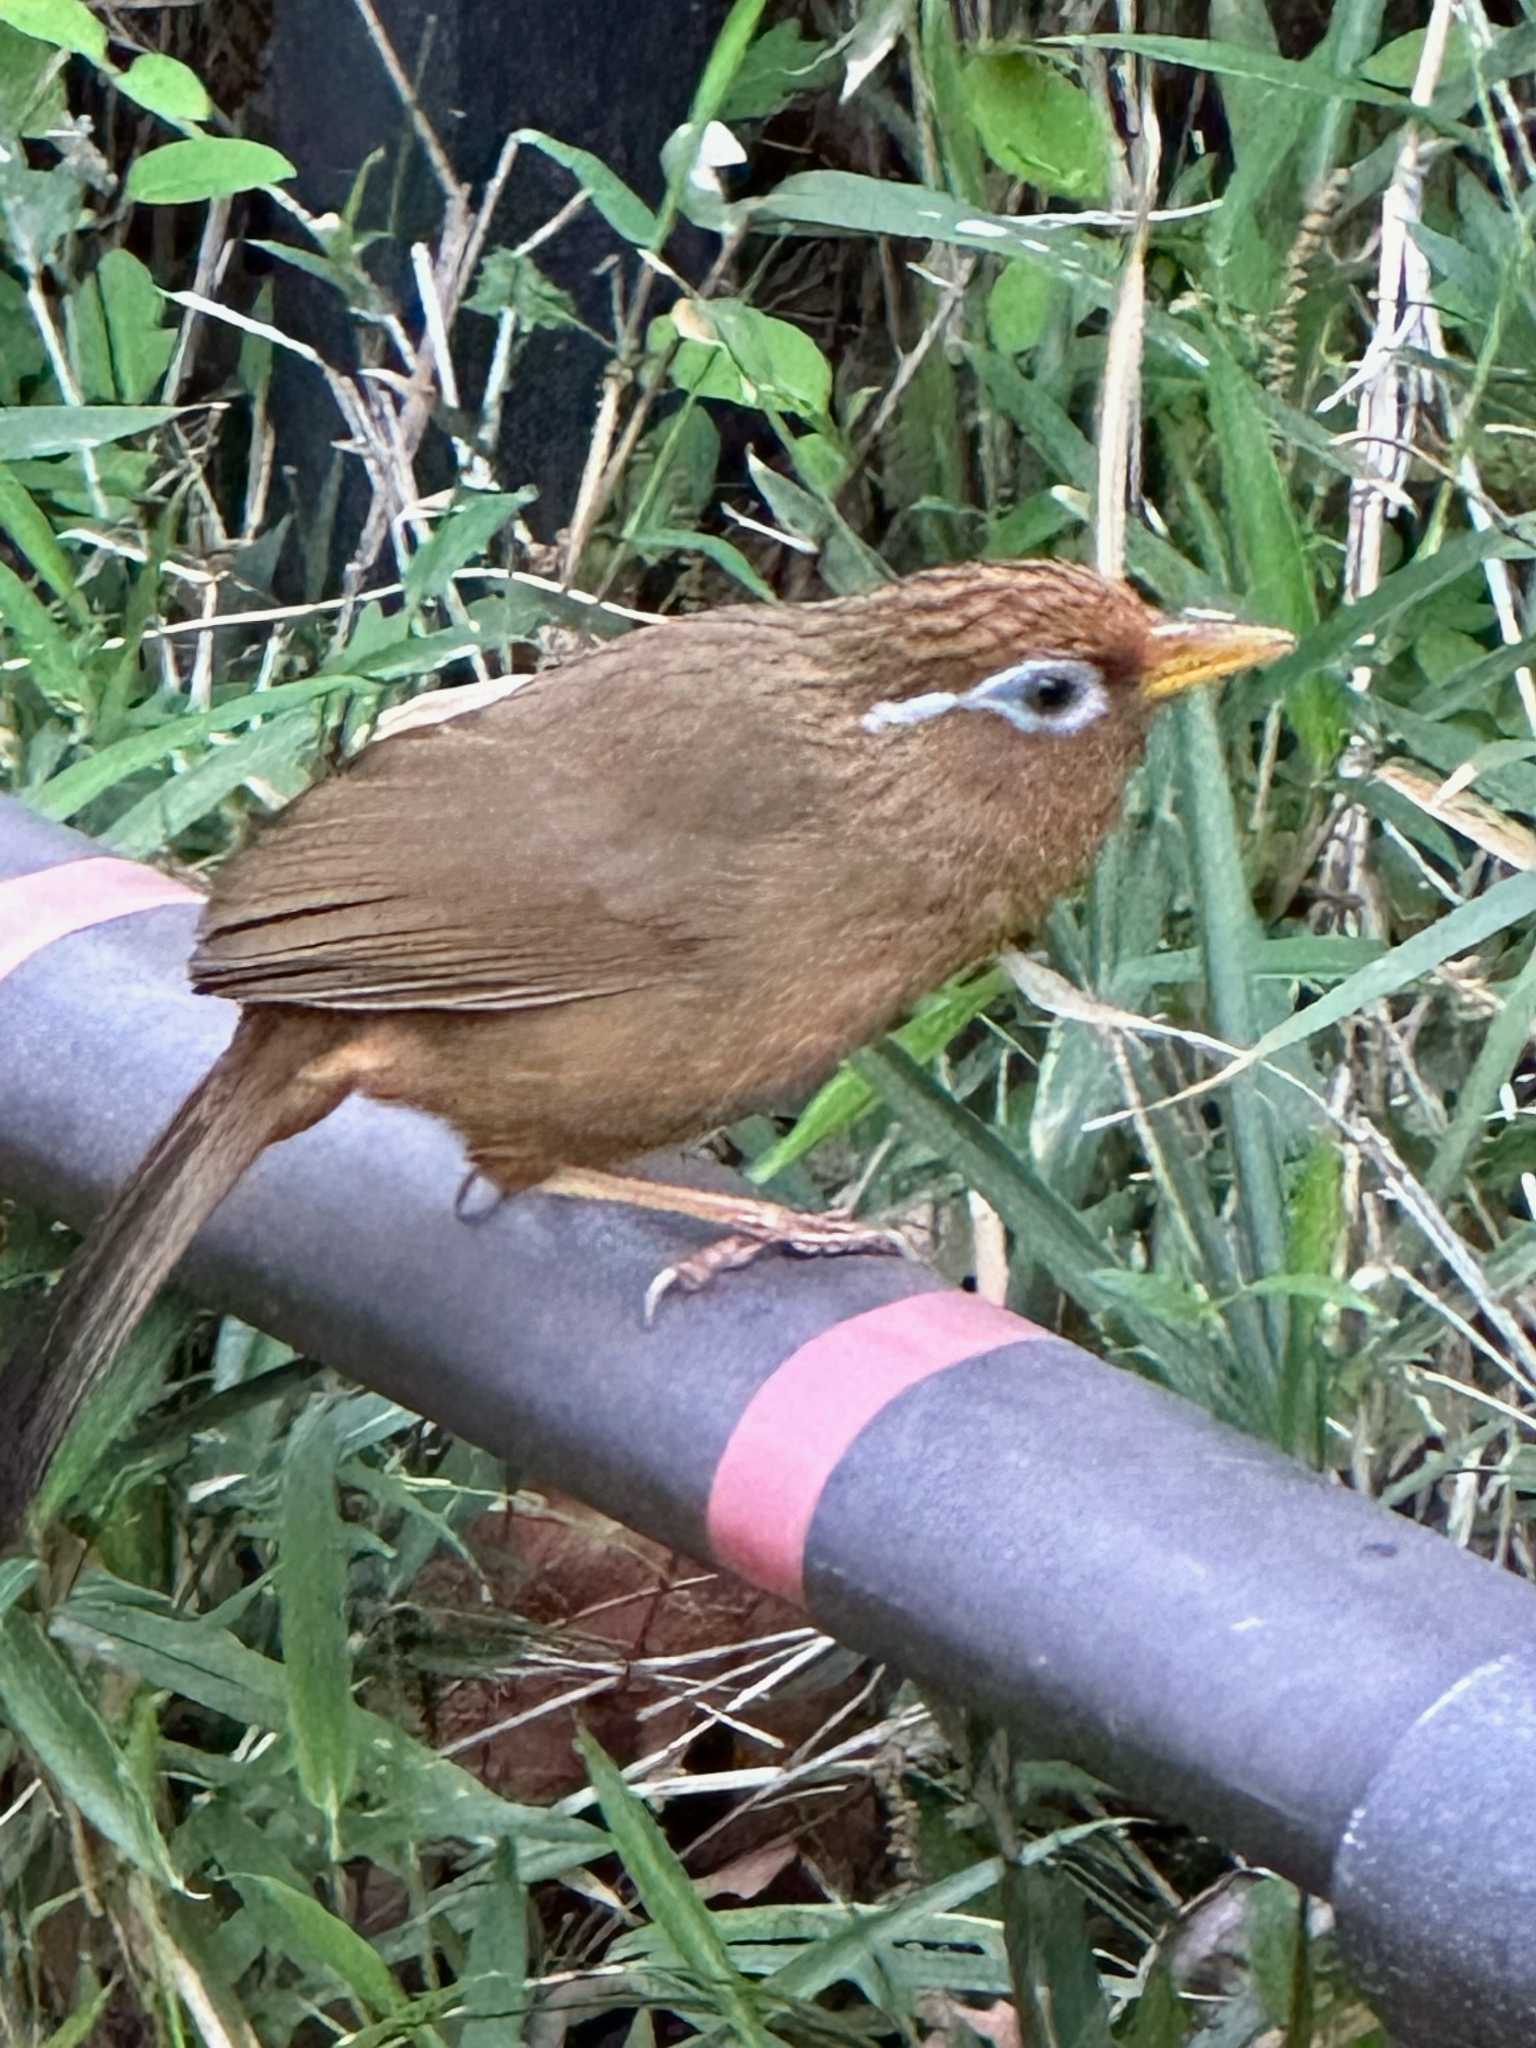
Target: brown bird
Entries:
(676, 878)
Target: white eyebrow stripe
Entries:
(909, 710)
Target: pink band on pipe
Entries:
(51, 903)
(797, 1427)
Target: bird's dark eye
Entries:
(1053, 692)
(1049, 696)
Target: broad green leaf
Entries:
(861, 1953)
(513, 283)
(755, 360)
(314, 1555)
(1269, 537)
(140, 340)
(68, 23)
(29, 107)
(1397, 63)
(1020, 305)
(627, 214)
(209, 167)
(1057, 1990)
(165, 87)
(36, 430)
(46, 1706)
(1036, 123)
(781, 62)
(16, 1575)
(1269, 544)
(192, 1655)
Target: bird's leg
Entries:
(751, 1226)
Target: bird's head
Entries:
(1051, 649)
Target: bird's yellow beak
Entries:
(1184, 652)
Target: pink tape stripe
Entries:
(51, 903)
(797, 1427)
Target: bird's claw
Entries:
(830, 1233)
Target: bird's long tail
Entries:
(273, 1080)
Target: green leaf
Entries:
(192, 1655)
(45, 1704)
(863, 1953)
(16, 1575)
(627, 214)
(68, 792)
(133, 311)
(510, 282)
(68, 23)
(33, 98)
(668, 1895)
(1469, 925)
(270, 754)
(495, 1980)
(1314, 1287)
(725, 60)
(54, 660)
(664, 540)
(1036, 123)
(32, 536)
(847, 1096)
(314, 1554)
(465, 531)
(759, 361)
(1341, 632)
(1269, 537)
(1159, 1294)
(1056, 1983)
(311, 1933)
(165, 87)
(882, 206)
(1397, 63)
(1020, 305)
(782, 62)
(208, 167)
(1502, 1048)
(1056, 1238)
(1234, 60)
(35, 430)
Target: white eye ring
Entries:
(1056, 695)
(1060, 696)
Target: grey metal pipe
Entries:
(1331, 1690)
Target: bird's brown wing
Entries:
(540, 851)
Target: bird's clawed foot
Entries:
(804, 1234)
(751, 1226)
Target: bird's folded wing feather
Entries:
(529, 854)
